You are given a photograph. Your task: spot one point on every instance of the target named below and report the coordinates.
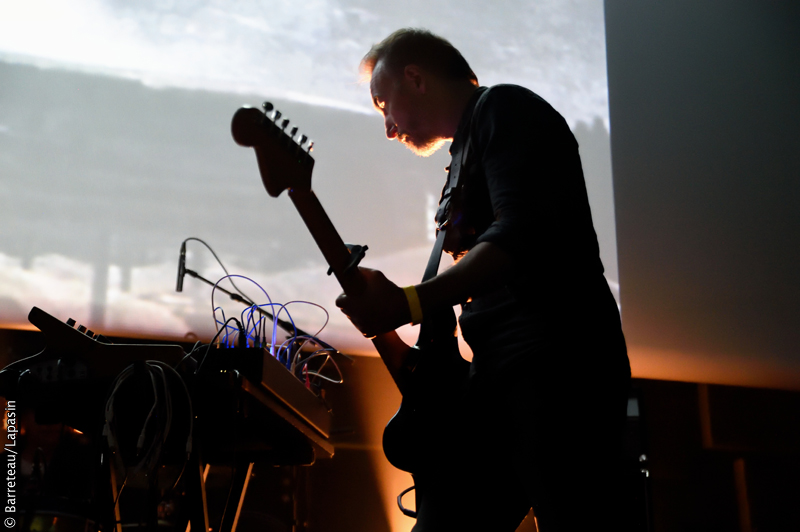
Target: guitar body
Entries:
(431, 412)
(427, 421)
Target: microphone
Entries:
(181, 268)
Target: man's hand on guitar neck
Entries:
(381, 307)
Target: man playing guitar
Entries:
(541, 414)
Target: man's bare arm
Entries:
(383, 307)
(476, 272)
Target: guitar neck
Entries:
(286, 164)
(327, 238)
(390, 347)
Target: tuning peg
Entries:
(277, 116)
(267, 106)
(293, 132)
(284, 123)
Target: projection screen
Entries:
(115, 147)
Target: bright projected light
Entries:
(114, 127)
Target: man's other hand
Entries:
(380, 308)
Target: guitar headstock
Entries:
(284, 157)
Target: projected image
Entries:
(115, 147)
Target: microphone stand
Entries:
(285, 325)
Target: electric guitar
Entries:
(426, 419)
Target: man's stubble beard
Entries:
(423, 148)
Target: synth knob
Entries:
(303, 140)
(71, 322)
(277, 116)
(294, 132)
(82, 328)
(284, 123)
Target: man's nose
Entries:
(391, 129)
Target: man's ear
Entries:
(415, 76)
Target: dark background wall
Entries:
(706, 160)
(717, 458)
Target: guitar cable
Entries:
(208, 347)
(290, 351)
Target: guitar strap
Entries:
(443, 320)
(445, 217)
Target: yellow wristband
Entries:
(413, 303)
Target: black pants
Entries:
(547, 436)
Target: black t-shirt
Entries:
(524, 191)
